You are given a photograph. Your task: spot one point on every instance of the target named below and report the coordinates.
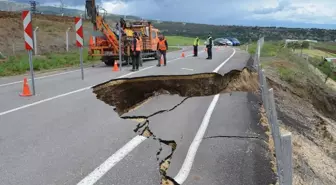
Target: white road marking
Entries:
(72, 92)
(52, 75)
(187, 69)
(41, 77)
(96, 174)
(188, 162)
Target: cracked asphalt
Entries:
(68, 133)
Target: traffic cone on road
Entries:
(182, 54)
(161, 60)
(115, 67)
(25, 90)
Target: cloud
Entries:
(241, 12)
(280, 7)
(300, 11)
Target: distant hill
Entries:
(14, 6)
(243, 33)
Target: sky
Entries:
(285, 13)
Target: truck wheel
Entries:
(109, 62)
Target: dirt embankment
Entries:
(50, 35)
(307, 108)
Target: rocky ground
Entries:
(307, 108)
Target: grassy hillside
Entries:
(244, 33)
(181, 41)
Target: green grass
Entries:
(269, 49)
(286, 74)
(315, 53)
(173, 49)
(181, 41)
(19, 64)
(326, 45)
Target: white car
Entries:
(228, 42)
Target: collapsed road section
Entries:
(129, 93)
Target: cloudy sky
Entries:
(289, 13)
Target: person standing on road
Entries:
(209, 46)
(162, 48)
(196, 44)
(141, 49)
(136, 48)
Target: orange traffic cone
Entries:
(182, 53)
(161, 60)
(25, 90)
(115, 67)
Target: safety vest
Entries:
(140, 43)
(208, 41)
(162, 45)
(137, 45)
(196, 42)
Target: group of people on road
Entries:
(162, 47)
(208, 45)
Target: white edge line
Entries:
(41, 77)
(58, 74)
(187, 69)
(96, 174)
(72, 92)
(44, 100)
(188, 162)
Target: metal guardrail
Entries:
(282, 142)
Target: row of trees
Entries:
(244, 33)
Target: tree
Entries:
(305, 44)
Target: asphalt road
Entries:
(64, 135)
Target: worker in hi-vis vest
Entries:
(141, 49)
(209, 46)
(136, 48)
(162, 48)
(196, 44)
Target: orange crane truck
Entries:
(104, 40)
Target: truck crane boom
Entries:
(106, 44)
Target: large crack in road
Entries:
(128, 93)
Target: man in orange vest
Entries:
(136, 48)
(162, 48)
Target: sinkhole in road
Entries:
(128, 93)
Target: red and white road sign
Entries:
(79, 32)
(28, 29)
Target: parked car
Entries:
(234, 41)
(222, 42)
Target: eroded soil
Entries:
(307, 108)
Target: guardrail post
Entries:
(276, 135)
(286, 141)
